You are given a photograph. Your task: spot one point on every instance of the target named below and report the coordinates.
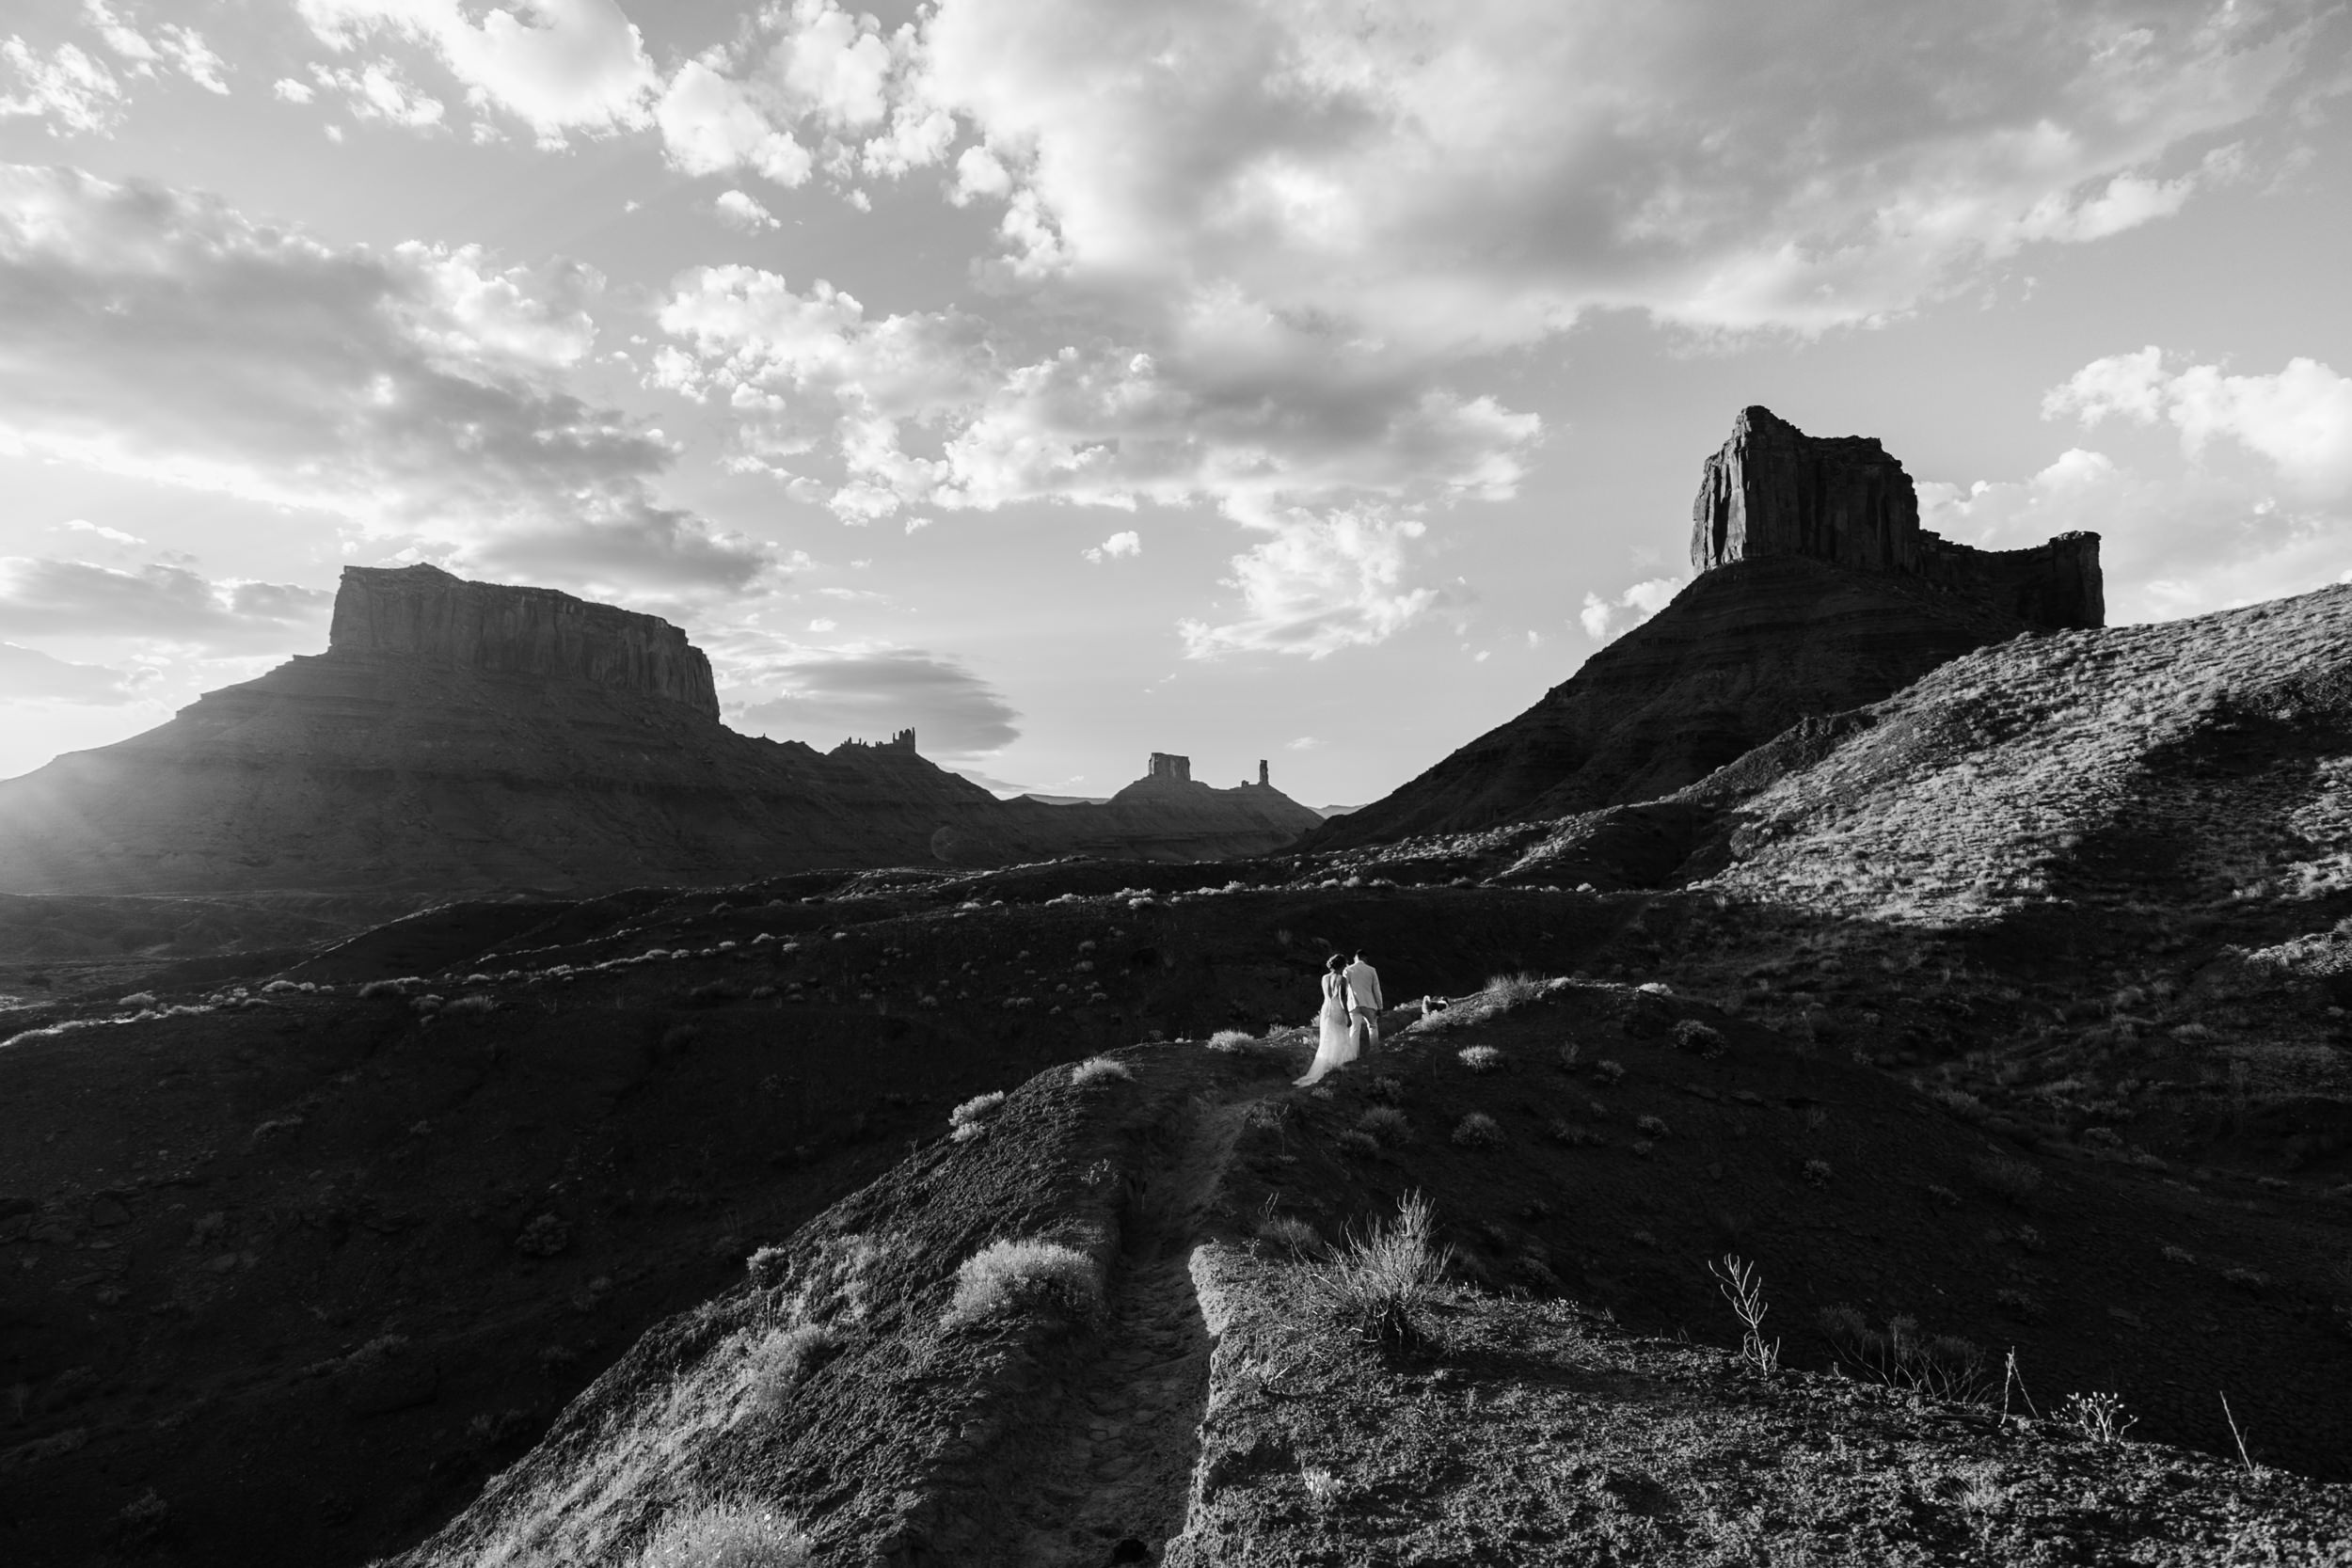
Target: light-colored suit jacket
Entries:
(1363, 982)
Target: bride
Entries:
(1336, 1046)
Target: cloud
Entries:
(159, 603)
(415, 394)
(821, 696)
(1122, 544)
(1262, 259)
(560, 66)
(808, 87)
(74, 93)
(1304, 743)
(741, 212)
(1600, 617)
(2299, 419)
(1443, 173)
(2172, 543)
(1319, 584)
(1255, 423)
(26, 673)
(378, 91)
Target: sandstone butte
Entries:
(1817, 591)
(463, 735)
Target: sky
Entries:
(1075, 379)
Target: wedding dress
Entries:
(1336, 1031)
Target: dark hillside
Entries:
(1210, 1412)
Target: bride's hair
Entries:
(1339, 961)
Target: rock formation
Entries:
(1168, 814)
(1774, 490)
(461, 735)
(422, 613)
(1817, 591)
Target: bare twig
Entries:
(1743, 1286)
(2253, 1471)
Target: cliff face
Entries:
(460, 736)
(1818, 592)
(423, 613)
(1774, 490)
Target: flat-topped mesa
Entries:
(423, 612)
(1774, 490)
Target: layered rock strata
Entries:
(1774, 490)
(1817, 592)
(416, 614)
(460, 736)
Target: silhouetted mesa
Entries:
(414, 613)
(465, 735)
(1817, 592)
(1774, 490)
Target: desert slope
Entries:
(1816, 590)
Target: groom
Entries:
(1364, 1004)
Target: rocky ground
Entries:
(1563, 1402)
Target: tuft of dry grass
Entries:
(1009, 1276)
(970, 1119)
(1379, 1284)
(780, 1360)
(1482, 1058)
(1232, 1040)
(1100, 1070)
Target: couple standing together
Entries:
(1349, 1024)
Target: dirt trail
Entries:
(1111, 1485)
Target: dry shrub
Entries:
(1481, 1058)
(1361, 1145)
(781, 1359)
(1943, 1366)
(475, 1004)
(1701, 1039)
(1100, 1070)
(724, 1535)
(1006, 1276)
(1385, 1124)
(970, 1119)
(1377, 1285)
(1477, 1131)
(1232, 1040)
(1510, 990)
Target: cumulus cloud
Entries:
(377, 91)
(1319, 583)
(809, 87)
(1127, 542)
(415, 394)
(739, 211)
(69, 90)
(159, 603)
(2172, 543)
(2299, 419)
(28, 674)
(1446, 173)
(1602, 618)
(560, 66)
(822, 696)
